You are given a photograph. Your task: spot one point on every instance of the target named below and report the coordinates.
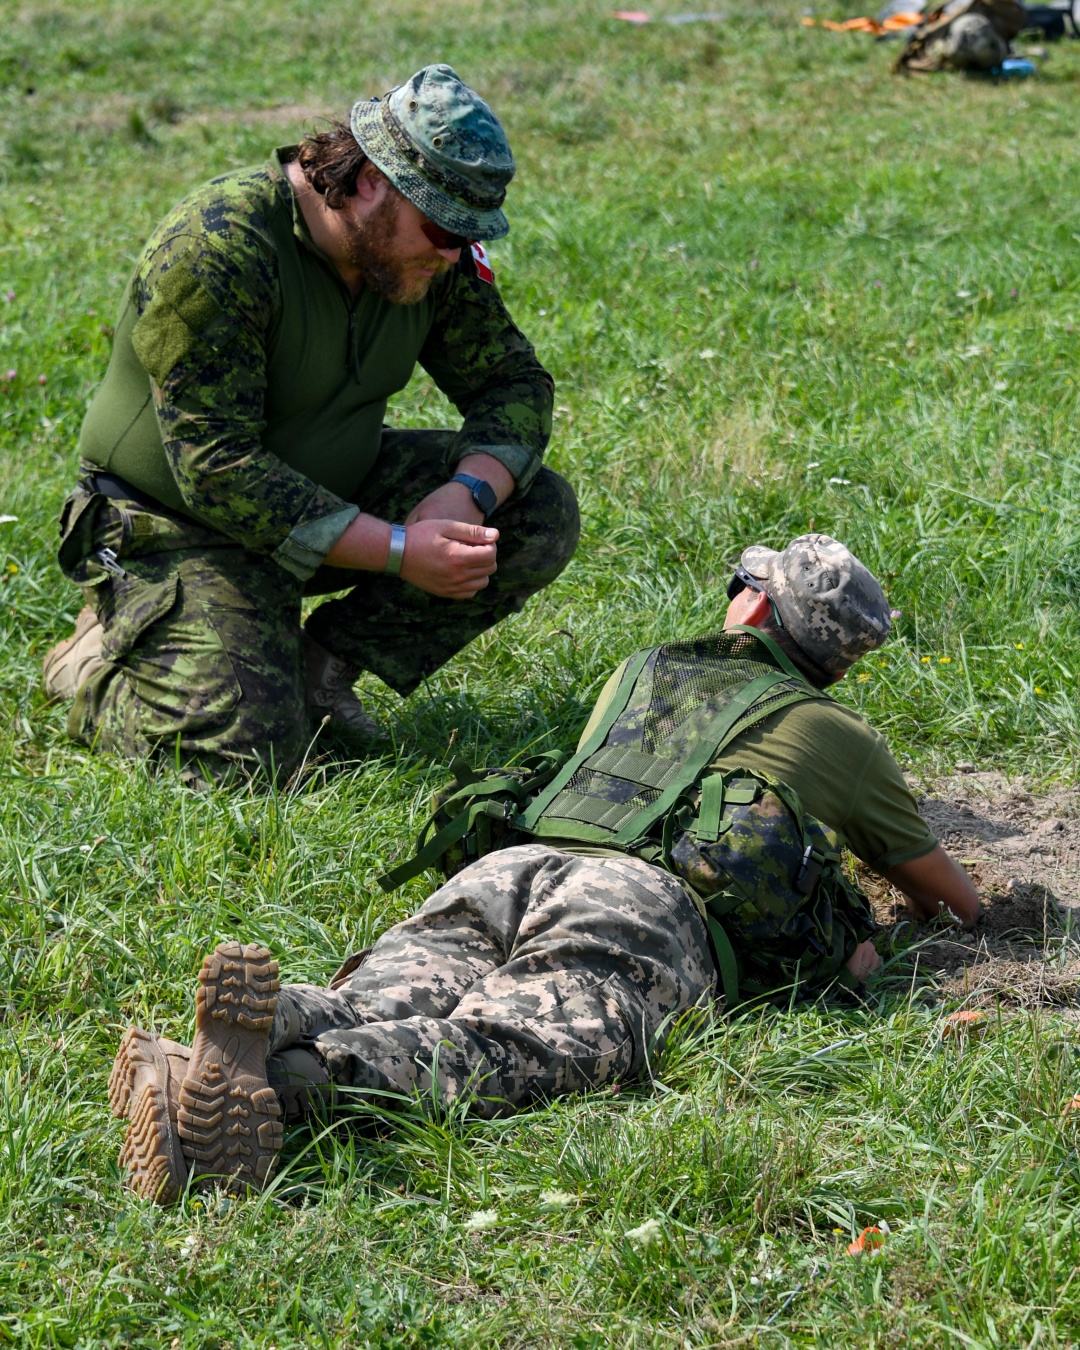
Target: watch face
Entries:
(484, 497)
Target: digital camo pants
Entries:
(529, 974)
(202, 637)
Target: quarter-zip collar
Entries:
(275, 168)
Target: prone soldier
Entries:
(559, 964)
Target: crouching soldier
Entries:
(686, 850)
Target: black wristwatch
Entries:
(483, 494)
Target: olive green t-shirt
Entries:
(839, 765)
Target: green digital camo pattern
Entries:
(441, 145)
(529, 974)
(780, 936)
(207, 296)
(680, 690)
(203, 637)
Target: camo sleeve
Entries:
(488, 369)
(207, 297)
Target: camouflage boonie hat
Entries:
(828, 601)
(442, 147)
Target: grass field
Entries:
(779, 289)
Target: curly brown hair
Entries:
(331, 161)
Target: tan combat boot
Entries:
(144, 1088)
(330, 683)
(71, 662)
(229, 1117)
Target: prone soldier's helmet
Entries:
(830, 604)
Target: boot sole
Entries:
(229, 1120)
(151, 1158)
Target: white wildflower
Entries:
(557, 1199)
(647, 1233)
(481, 1219)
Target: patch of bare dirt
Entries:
(1022, 850)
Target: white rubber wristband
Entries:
(396, 555)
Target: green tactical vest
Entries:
(675, 709)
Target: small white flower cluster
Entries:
(557, 1200)
(481, 1219)
(646, 1234)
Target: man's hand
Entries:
(451, 558)
(448, 557)
(863, 961)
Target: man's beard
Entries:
(370, 247)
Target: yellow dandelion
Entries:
(883, 664)
(1039, 691)
(925, 660)
(864, 675)
(945, 660)
(1019, 646)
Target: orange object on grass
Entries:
(892, 24)
(1073, 1104)
(964, 1023)
(869, 1240)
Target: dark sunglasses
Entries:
(443, 238)
(739, 583)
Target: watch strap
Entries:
(483, 494)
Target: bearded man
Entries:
(235, 458)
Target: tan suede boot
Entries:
(144, 1088)
(229, 1117)
(73, 661)
(330, 683)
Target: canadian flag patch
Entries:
(484, 269)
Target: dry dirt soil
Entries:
(1022, 849)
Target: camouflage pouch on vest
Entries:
(770, 881)
(472, 815)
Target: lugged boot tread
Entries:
(229, 1118)
(150, 1158)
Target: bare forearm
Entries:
(491, 470)
(365, 545)
(936, 882)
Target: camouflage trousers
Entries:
(530, 974)
(202, 643)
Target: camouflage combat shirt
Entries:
(247, 388)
